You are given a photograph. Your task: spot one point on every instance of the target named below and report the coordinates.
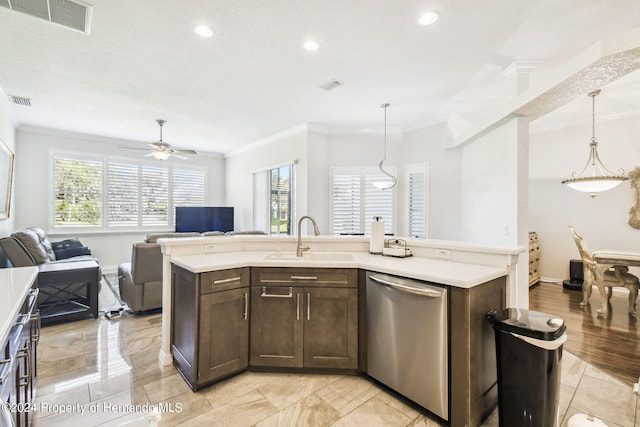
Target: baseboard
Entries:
(109, 269)
(553, 281)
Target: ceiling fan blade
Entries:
(185, 151)
(134, 148)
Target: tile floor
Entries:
(105, 373)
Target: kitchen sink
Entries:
(311, 256)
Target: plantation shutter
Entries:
(355, 201)
(417, 201)
(346, 204)
(188, 187)
(155, 195)
(378, 203)
(122, 188)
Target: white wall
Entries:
(553, 206)
(494, 196)
(32, 177)
(7, 135)
(444, 198)
(276, 151)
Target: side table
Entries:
(68, 290)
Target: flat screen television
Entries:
(204, 218)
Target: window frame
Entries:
(105, 160)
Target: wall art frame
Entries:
(6, 180)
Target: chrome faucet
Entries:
(300, 248)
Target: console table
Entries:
(68, 290)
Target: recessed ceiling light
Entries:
(311, 45)
(203, 31)
(428, 18)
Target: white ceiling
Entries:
(142, 62)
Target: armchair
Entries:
(140, 281)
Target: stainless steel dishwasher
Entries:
(407, 339)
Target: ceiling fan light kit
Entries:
(161, 150)
(595, 177)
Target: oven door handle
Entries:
(422, 291)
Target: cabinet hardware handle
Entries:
(246, 305)
(265, 294)
(25, 353)
(308, 305)
(23, 320)
(4, 374)
(304, 277)
(36, 317)
(423, 291)
(298, 306)
(229, 280)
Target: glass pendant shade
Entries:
(595, 177)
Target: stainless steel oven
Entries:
(407, 339)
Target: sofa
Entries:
(68, 274)
(140, 280)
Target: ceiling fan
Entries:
(162, 150)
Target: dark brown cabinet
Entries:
(474, 387)
(210, 328)
(18, 375)
(304, 318)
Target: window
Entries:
(355, 201)
(110, 194)
(280, 192)
(273, 200)
(416, 198)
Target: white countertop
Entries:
(445, 272)
(15, 283)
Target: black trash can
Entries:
(528, 356)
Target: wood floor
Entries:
(611, 343)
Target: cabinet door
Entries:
(184, 312)
(330, 327)
(276, 326)
(224, 334)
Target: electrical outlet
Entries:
(209, 248)
(443, 253)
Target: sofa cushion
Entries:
(36, 242)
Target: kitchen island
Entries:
(477, 277)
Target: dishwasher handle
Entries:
(426, 292)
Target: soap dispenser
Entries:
(376, 241)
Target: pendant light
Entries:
(595, 177)
(385, 184)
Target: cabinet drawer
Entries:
(222, 280)
(288, 276)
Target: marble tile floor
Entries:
(105, 373)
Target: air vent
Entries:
(74, 15)
(20, 100)
(331, 84)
